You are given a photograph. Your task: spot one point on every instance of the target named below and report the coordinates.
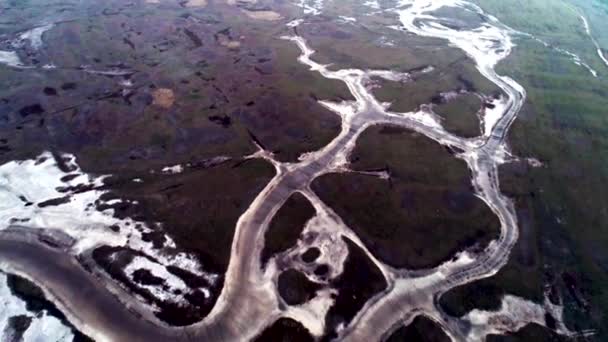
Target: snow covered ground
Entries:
(41, 194)
(41, 327)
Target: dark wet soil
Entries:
(460, 115)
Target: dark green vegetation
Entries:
(459, 18)
(531, 332)
(525, 261)
(366, 46)
(460, 115)
(596, 11)
(195, 83)
(360, 281)
(347, 46)
(36, 302)
(230, 75)
(421, 329)
(287, 225)
(562, 205)
(295, 288)
(285, 330)
(458, 75)
(423, 215)
(199, 208)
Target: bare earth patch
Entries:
(163, 97)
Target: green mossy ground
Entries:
(564, 125)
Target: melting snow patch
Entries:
(514, 314)
(170, 288)
(348, 19)
(390, 75)
(486, 44)
(313, 7)
(126, 83)
(492, 112)
(597, 45)
(33, 36)
(372, 4)
(295, 23)
(39, 194)
(42, 327)
(534, 162)
(312, 313)
(10, 58)
(173, 169)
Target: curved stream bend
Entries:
(249, 300)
